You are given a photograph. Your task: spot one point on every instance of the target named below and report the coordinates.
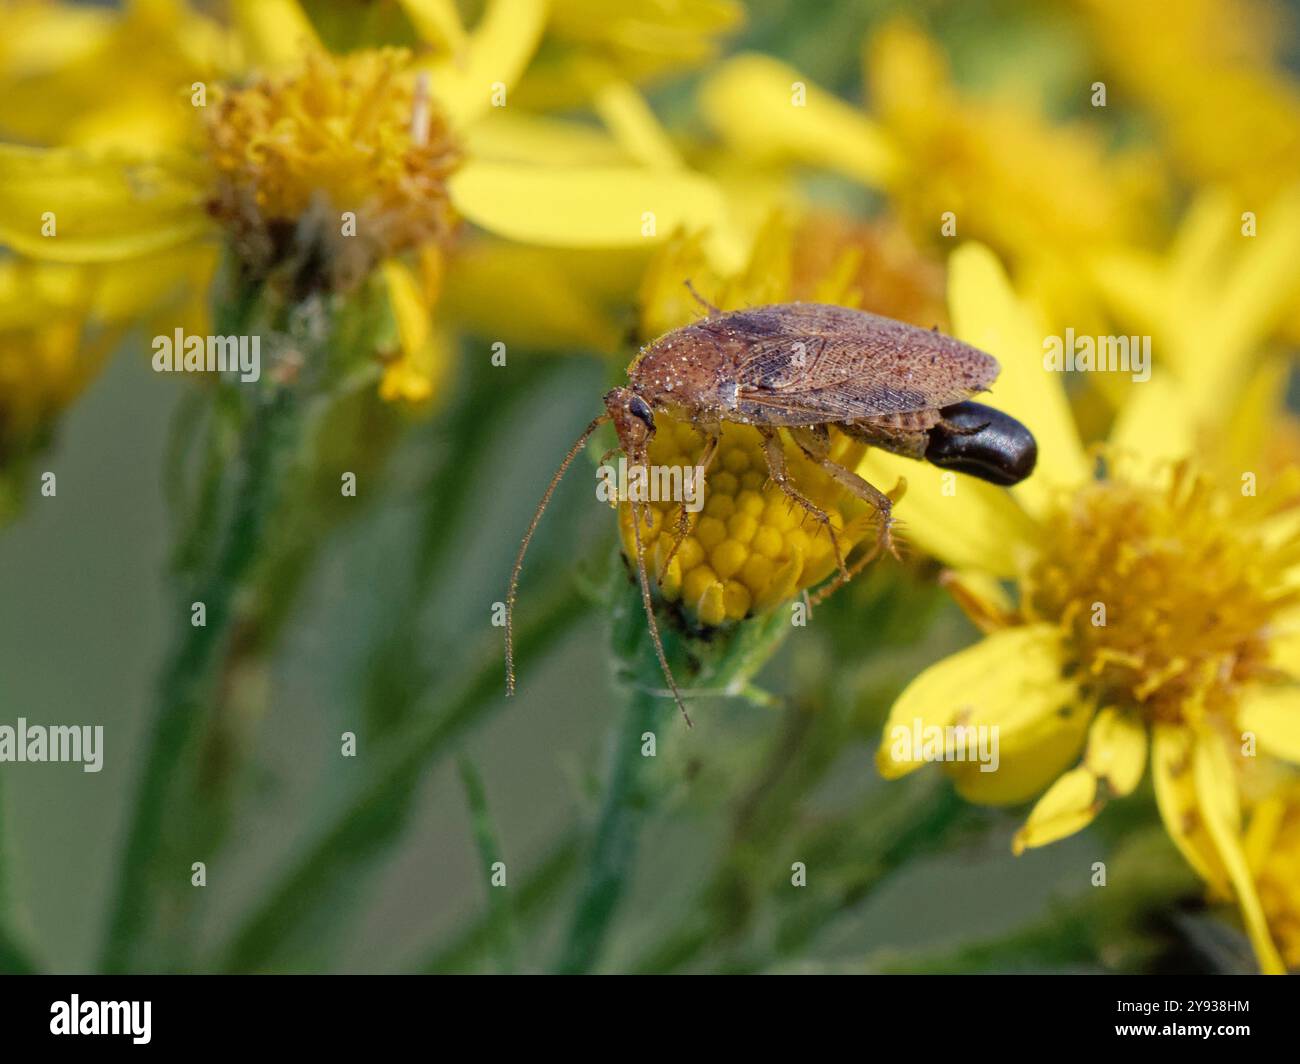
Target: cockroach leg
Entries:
(713, 311)
(711, 439)
(776, 469)
(815, 446)
(834, 585)
(637, 510)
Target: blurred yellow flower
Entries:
(1211, 74)
(810, 254)
(1226, 285)
(590, 44)
(291, 166)
(350, 135)
(1153, 612)
(58, 324)
(77, 74)
(46, 355)
(990, 168)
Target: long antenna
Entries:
(519, 560)
(650, 612)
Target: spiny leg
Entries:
(817, 447)
(775, 455)
(711, 440)
(840, 580)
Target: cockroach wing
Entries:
(808, 363)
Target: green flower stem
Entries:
(397, 674)
(537, 890)
(922, 816)
(1065, 941)
(618, 831)
(879, 835)
(298, 908)
(270, 439)
(501, 918)
(724, 665)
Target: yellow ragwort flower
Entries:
(348, 134)
(1227, 284)
(1156, 615)
(1213, 76)
(76, 74)
(591, 43)
(988, 167)
(282, 152)
(749, 548)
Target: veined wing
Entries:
(806, 363)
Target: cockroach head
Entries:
(633, 419)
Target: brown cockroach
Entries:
(805, 368)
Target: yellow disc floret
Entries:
(1166, 595)
(342, 135)
(749, 547)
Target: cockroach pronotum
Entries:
(805, 368)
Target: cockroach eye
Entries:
(983, 442)
(639, 408)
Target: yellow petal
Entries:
(634, 125)
(711, 607)
(783, 583)
(499, 48)
(1010, 680)
(593, 207)
(1153, 430)
(102, 205)
(964, 522)
(1175, 786)
(1284, 646)
(163, 290)
(1273, 715)
(1132, 285)
(420, 376)
(753, 102)
(981, 597)
(987, 314)
(1216, 792)
(1069, 805)
(43, 37)
(1036, 743)
(1117, 750)
(425, 359)
(507, 136)
(1250, 302)
(1253, 421)
(410, 310)
(565, 305)
(437, 22)
(277, 33)
(1266, 819)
